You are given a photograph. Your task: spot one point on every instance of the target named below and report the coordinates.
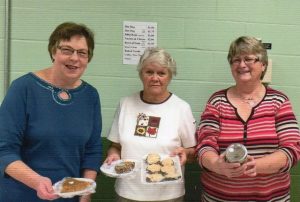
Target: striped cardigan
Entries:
(271, 126)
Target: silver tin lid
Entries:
(236, 153)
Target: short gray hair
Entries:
(160, 56)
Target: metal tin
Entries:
(236, 153)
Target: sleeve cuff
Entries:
(6, 160)
(289, 162)
(202, 151)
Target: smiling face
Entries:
(156, 79)
(70, 67)
(246, 68)
(248, 60)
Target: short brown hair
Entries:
(66, 31)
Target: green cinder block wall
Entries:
(196, 32)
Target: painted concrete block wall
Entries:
(196, 32)
(2, 20)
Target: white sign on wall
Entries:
(136, 37)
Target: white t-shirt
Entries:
(142, 128)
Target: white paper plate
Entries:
(109, 170)
(91, 189)
(177, 165)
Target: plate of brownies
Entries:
(120, 168)
(160, 169)
(69, 187)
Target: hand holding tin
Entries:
(229, 169)
(251, 166)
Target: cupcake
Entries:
(153, 158)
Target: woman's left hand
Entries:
(180, 151)
(251, 167)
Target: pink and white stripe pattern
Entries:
(271, 126)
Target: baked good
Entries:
(72, 185)
(167, 162)
(124, 167)
(154, 177)
(161, 168)
(172, 176)
(168, 169)
(153, 168)
(153, 158)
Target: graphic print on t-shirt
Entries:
(147, 126)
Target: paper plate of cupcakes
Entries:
(69, 187)
(120, 168)
(160, 169)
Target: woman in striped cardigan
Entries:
(256, 116)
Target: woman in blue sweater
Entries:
(50, 122)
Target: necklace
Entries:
(250, 101)
(250, 98)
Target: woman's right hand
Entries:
(113, 153)
(45, 190)
(21, 172)
(112, 157)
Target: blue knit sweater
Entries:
(55, 137)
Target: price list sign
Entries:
(136, 37)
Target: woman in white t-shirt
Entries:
(152, 121)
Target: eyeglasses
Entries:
(66, 50)
(247, 61)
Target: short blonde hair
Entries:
(248, 45)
